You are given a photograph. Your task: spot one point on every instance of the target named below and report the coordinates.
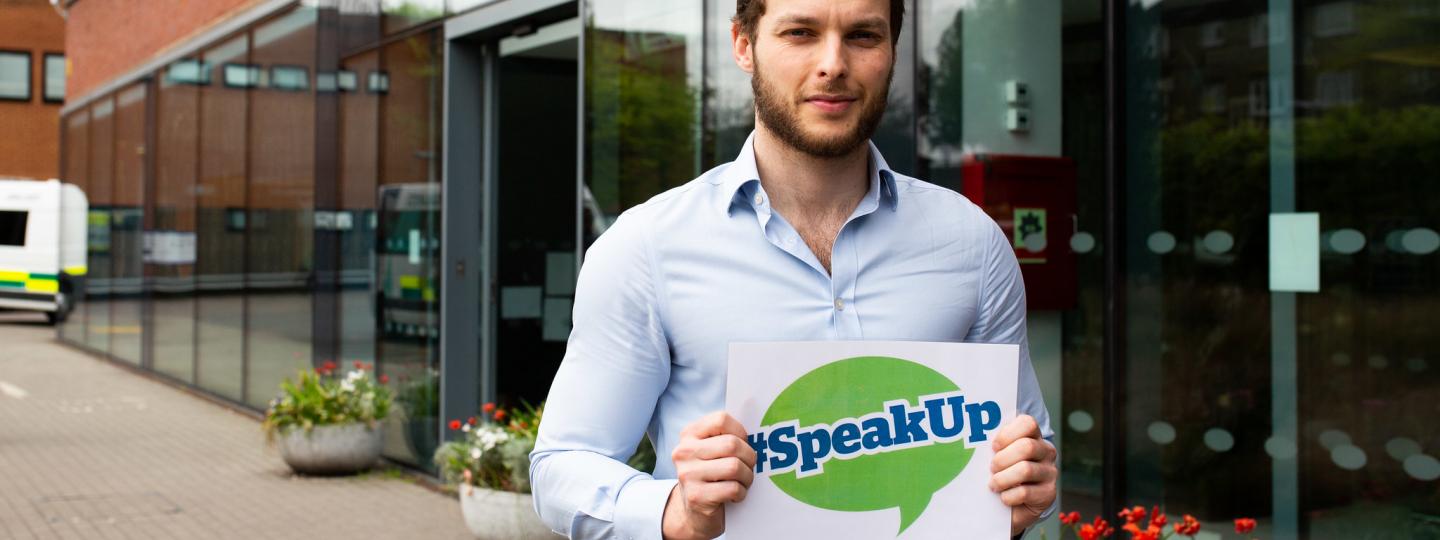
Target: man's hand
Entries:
(1023, 472)
(715, 465)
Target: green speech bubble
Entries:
(852, 388)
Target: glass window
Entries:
(1274, 306)
(74, 169)
(289, 78)
(189, 71)
(171, 264)
(100, 281)
(126, 217)
(15, 75)
(12, 227)
(279, 225)
(241, 76)
(220, 244)
(403, 14)
(54, 77)
(405, 232)
(642, 101)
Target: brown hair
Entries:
(748, 12)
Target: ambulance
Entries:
(42, 246)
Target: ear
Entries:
(742, 48)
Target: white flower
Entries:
(465, 428)
(347, 385)
(475, 454)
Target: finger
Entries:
(722, 470)
(1023, 450)
(1025, 472)
(715, 423)
(716, 494)
(1023, 426)
(1029, 495)
(725, 446)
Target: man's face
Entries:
(822, 72)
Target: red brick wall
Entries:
(30, 147)
(108, 38)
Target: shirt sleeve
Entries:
(1002, 320)
(616, 365)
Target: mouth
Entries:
(831, 103)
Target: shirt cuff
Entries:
(640, 508)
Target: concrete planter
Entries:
(330, 450)
(501, 515)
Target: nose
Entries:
(833, 62)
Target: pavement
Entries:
(89, 449)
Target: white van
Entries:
(42, 245)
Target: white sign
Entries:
(884, 440)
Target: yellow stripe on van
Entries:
(7, 275)
(76, 270)
(42, 285)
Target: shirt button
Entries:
(759, 200)
(839, 305)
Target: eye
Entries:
(797, 32)
(865, 36)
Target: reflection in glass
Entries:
(74, 169)
(171, 266)
(279, 221)
(101, 193)
(126, 242)
(220, 242)
(402, 14)
(642, 102)
(404, 233)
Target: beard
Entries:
(782, 117)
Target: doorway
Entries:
(512, 184)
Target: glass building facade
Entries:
(1235, 257)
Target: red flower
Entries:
(1070, 519)
(1189, 526)
(1136, 533)
(1244, 525)
(1133, 515)
(524, 425)
(384, 379)
(1098, 529)
(454, 425)
(470, 420)
(1157, 518)
(487, 408)
(499, 415)
(1088, 532)
(359, 365)
(329, 365)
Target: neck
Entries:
(802, 185)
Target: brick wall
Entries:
(108, 38)
(29, 145)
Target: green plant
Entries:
(319, 398)
(421, 397)
(494, 452)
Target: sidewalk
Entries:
(91, 450)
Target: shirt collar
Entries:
(738, 178)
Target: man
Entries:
(807, 235)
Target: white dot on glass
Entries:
(1081, 421)
(1422, 467)
(1348, 457)
(1340, 359)
(1161, 242)
(1161, 432)
(1280, 447)
(1218, 242)
(1034, 242)
(1332, 438)
(1082, 242)
(1401, 448)
(1421, 241)
(1219, 440)
(1347, 241)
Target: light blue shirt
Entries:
(665, 290)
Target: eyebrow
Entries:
(869, 23)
